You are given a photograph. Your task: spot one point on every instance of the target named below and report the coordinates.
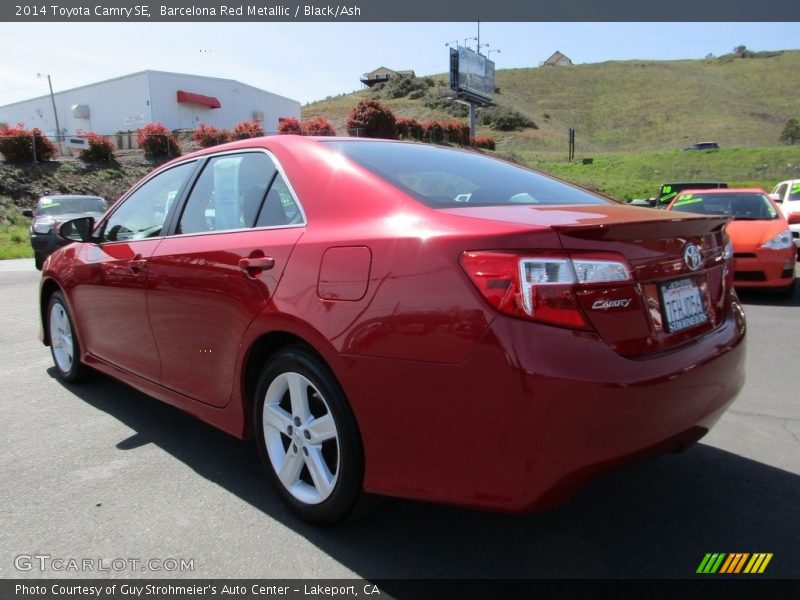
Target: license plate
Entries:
(682, 305)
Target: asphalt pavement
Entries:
(102, 473)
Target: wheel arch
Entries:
(259, 352)
(46, 291)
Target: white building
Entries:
(176, 100)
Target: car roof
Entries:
(287, 140)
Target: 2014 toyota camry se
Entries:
(401, 319)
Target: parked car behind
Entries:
(763, 252)
(52, 210)
(403, 319)
(787, 195)
(668, 191)
(703, 146)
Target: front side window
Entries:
(443, 178)
(142, 214)
(228, 193)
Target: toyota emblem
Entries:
(692, 257)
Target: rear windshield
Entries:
(445, 178)
(62, 206)
(742, 207)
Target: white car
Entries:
(787, 195)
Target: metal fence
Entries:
(35, 147)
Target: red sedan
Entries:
(763, 250)
(401, 319)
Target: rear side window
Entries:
(445, 178)
(228, 194)
(794, 193)
(280, 207)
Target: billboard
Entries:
(471, 75)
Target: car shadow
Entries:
(653, 520)
(769, 298)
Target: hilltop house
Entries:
(557, 59)
(382, 74)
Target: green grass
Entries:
(14, 238)
(631, 106)
(14, 242)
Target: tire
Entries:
(307, 438)
(63, 342)
(38, 261)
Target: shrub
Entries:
(409, 127)
(317, 126)
(99, 149)
(157, 140)
(207, 135)
(457, 132)
(504, 118)
(791, 133)
(290, 125)
(434, 131)
(370, 118)
(402, 86)
(450, 106)
(17, 144)
(484, 142)
(246, 130)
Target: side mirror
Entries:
(775, 197)
(77, 230)
(27, 213)
(794, 218)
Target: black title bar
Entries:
(405, 11)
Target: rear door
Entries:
(220, 269)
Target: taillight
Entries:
(540, 288)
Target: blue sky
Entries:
(309, 61)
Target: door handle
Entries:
(255, 264)
(137, 265)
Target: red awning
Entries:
(190, 98)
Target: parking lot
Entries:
(102, 472)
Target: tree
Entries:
(742, 52)
(370, 118)
(156, 140)
(791, 133)
(317, 126)
(246, 130)
(289, 125)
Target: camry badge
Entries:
(692, 257)
(606, 304)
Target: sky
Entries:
(310, 61)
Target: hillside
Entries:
(629, 105)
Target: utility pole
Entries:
(53, 100)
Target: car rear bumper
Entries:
(534, 413)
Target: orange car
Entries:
(763, 251)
